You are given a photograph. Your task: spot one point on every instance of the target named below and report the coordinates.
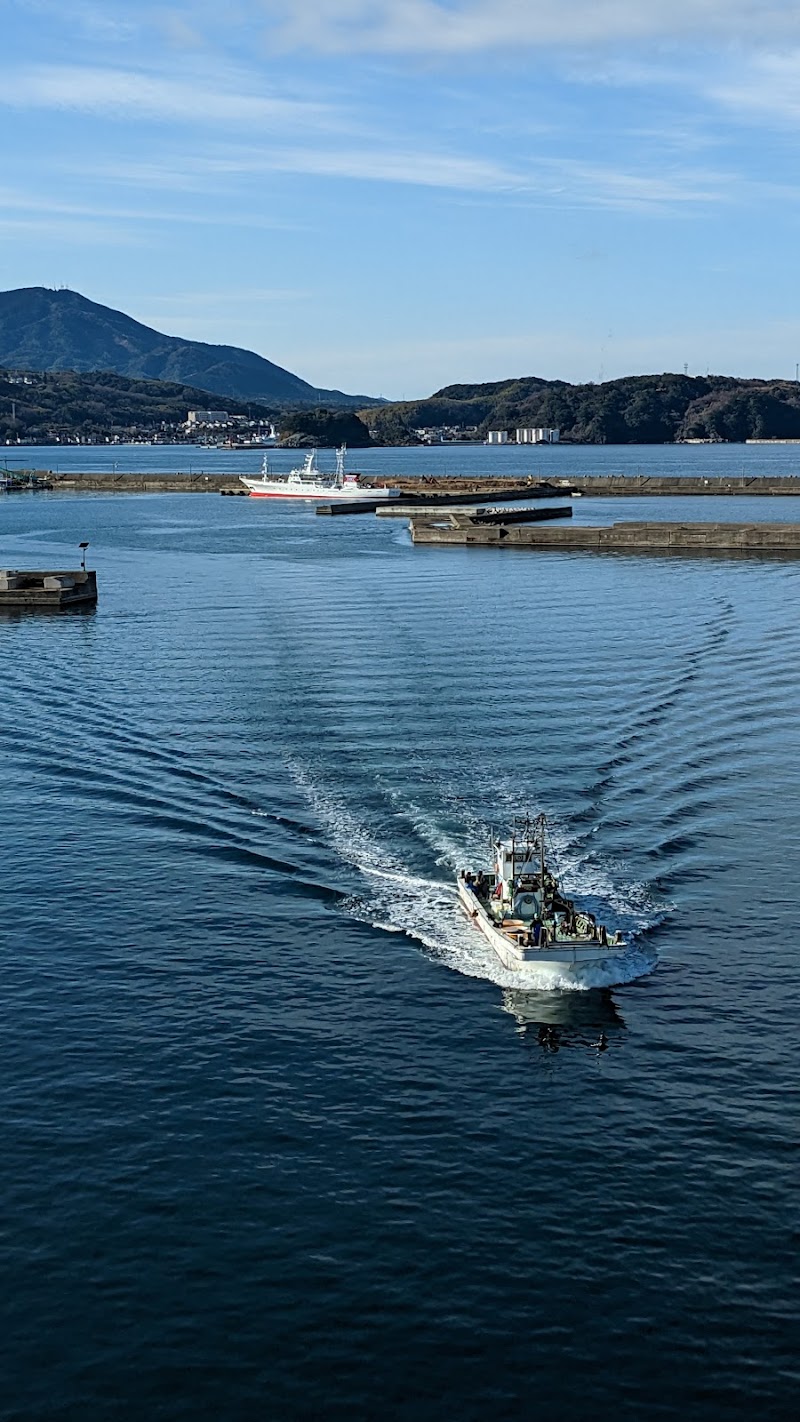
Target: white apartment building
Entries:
(206, 417)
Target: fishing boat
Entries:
(309, 482)
(523, 912)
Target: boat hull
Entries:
(564, 956)
(261, 489)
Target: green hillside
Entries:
(641, 409)
(45, 407)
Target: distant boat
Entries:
(309, 482)
(23, 483)
(524, 913)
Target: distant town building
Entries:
(447, 434)
(539, 434)
(497, 437)
(207, 417)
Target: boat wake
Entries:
(391, 897)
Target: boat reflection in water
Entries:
(566, 1019)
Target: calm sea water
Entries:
(564, 460)
(279, 1137)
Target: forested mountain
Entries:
(42, 329)
(639, 409)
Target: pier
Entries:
(51, 591)
(421, 503)
(629, 537)
(479, 515)
(649, 485)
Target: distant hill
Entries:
(41, 329)
(46, 407)
(638, 409)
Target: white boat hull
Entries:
(276, 489)
(567, 956)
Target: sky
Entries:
(388, 196)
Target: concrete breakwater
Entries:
(418, 486)
(621, 485)
(46, 589)
(609, 485)
(453, 490)
(617, 537)
(85, 483)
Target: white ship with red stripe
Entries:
(313, 483)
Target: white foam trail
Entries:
(428, 910)
(581, 873)
(472, 844)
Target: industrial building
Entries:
(539, 434)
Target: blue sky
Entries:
(392, 195)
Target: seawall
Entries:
(601, 485)
(621, 537)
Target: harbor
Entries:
(240, 791)
(400, 962)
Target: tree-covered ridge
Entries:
(324, 428)
(48, 406)
(640, 409)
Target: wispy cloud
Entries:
(127, 93)
(464, 26)
(50, 206)
(104, 20)
(603, 186)
(561, 182)
(68, 230)
(768, 87)
(374, 164)
(434, 26)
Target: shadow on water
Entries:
(566, 1019)
(24, 614)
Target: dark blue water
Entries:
(279, 1138)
